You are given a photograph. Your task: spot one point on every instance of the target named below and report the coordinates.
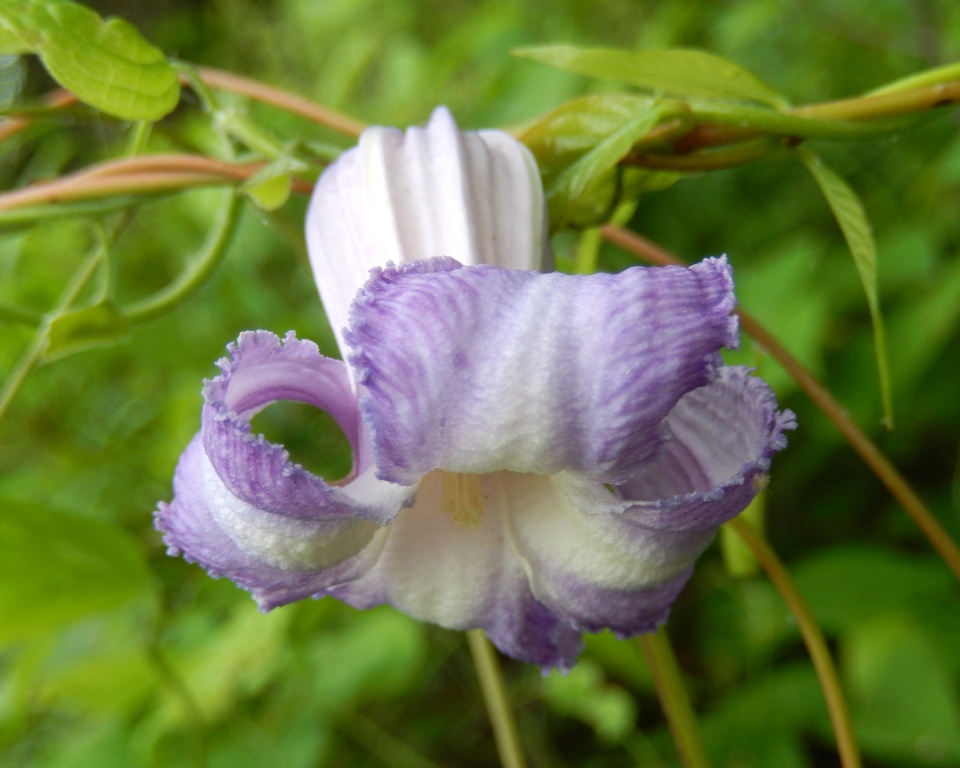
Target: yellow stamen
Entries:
(460, 497)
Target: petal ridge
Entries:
(476, 369)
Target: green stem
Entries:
(139, 137)
(81, 209)
(10, 314)
(192, 714)
(191, 279)
(934, 76)
(38, 344)
(812, 637)
(495, 696)
(785, 124)
(673, 698)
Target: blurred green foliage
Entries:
(114, 655)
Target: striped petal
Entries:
(478, 369)
(434, 191)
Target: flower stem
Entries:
(673, 698)
(872, 456)
(495, 696)
(812, 637)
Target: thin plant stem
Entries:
(25, 364)
(10, 314)
(898, 487)
(812, 638)
(191, 711)
(674, 700)
(495, 696)
(30, 214)
(144, 174)
(285, 100)
(193, 277)
(32, 355)
(139, 137)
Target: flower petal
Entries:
(263, 370)
(434, 191)
(435, 569)
(278, 559)
(724, 436)
(478, 369)
(600, 561)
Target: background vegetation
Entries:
(114, 655)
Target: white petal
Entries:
(434, 191)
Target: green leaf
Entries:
(575, 182)
(272, 193)
(107, 64)
(584, 694)
(677, 71)
(852, 218)
(269, 188)
(568, 133)
(904, 702)
(11, 44)
(847, 585)
(58, 567)
(101, 325)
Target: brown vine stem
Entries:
(812, 638)
(277, 97)
(144, 174)
(821, 397)
(55, 100)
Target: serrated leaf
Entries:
(101, 325)
(677, 71)
(58, 567)
(107, 64)
(575, 182)
(849, 212)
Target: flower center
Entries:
(460, 497)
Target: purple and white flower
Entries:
(535, 454)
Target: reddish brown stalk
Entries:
(147, 173)
(285, 100)
(812, 638)
(55, 100)
(821, 397)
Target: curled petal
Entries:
(262, 370)
(243, 510)
(278, 559)
(724, 436)
(433, 191)
(599, 561)
(478, 369)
